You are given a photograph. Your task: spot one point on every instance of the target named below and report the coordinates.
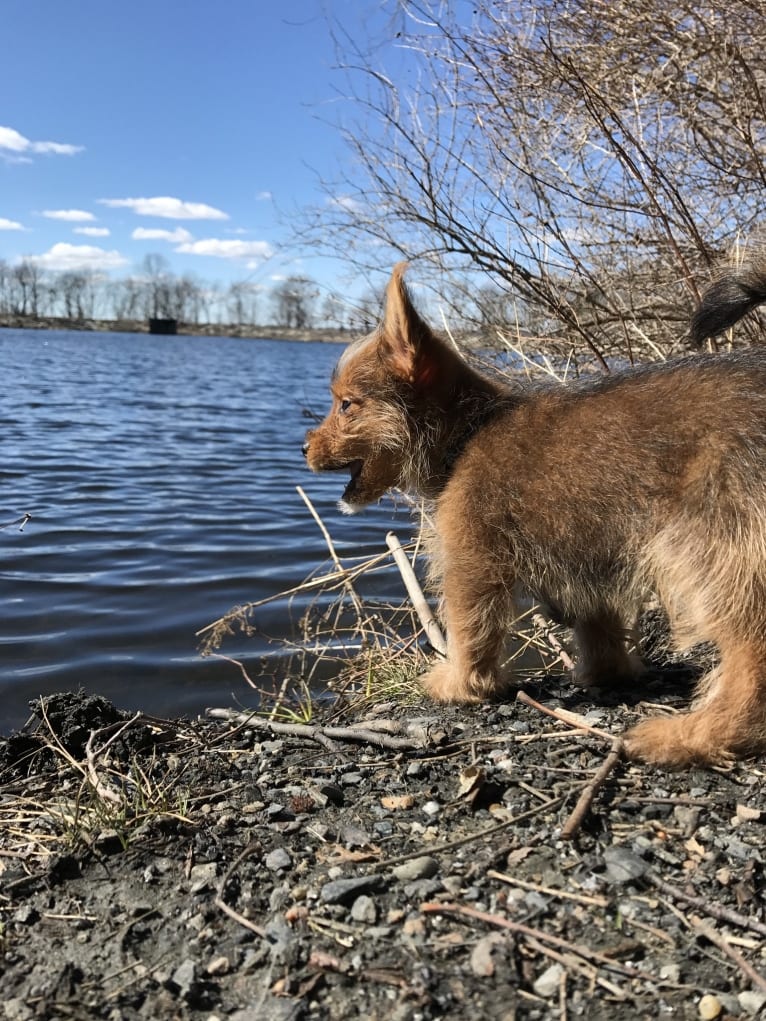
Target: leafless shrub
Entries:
(594, 160)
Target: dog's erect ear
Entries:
(407, 342)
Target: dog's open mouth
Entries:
(355, 467)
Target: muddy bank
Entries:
(386, 862)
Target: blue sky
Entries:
(186, 127)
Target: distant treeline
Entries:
(31, 294)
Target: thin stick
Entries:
(502, 922)
(423, 610)
(18, 521)
(731, 952)
(601, 902)
(550, 636)
(489, 831)
(581, 809)
(336, 559)
(718, 911)
(221, 903)
(92, 754)
(563, 717)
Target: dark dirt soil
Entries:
(407, 866)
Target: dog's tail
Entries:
(728, 299)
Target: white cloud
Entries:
(63, 256)
(346, 202)
(11, 141)
(176, 237)
(263, 196)
(168, 208)
(70, 215)
(9, 224)
(93, 232)
(227, 249)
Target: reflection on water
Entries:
(160, 474)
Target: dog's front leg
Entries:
(476, 612)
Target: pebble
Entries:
(671, 973)
(547, 984)
(351, 779)
(751, 1000)
(623, 865)
(26, 915)
(364, 910)
(416, 868)
(203, 876)
(709, 1008)
(218, 966)
(432, 808)
(278, 859)
(185, 977)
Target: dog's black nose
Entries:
(305, 448)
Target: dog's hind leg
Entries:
(603, 656)
(728, 719)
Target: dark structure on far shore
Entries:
(164, 326)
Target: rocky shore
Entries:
(374, 862)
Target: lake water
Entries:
(160, 474)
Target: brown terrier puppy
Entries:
(591, 496)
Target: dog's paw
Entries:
(444, 683)
(669, 741)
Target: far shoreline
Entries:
(327, 335)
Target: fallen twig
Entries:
(323, 734)
(489, 831)
(550, 636)
(226, 908)
(501, 922)
(706, 930)
(581, 809)
(718, 911)
(580, 898)
(571, 719)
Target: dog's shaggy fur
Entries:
(591, 496)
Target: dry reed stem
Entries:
(336, 560)
(431, 628)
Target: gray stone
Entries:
(417, 868)
(278, 859)
(364, 910)
(185, 977)
(751, 1000)
(345, 891)
(547, 984)
(623, 865)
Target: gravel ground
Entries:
(406, 863)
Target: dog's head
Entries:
(383, 388)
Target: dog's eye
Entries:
(345, 405)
